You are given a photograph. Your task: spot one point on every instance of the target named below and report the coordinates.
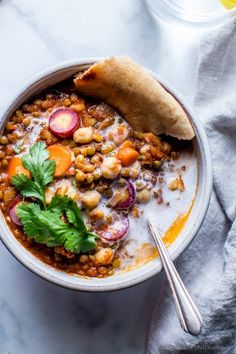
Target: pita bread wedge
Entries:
(143, 102)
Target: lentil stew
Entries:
(112, 173)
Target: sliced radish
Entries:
(12, 210)
(63, 122)
(116, 230)
(123, 198)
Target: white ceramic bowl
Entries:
(115, 282)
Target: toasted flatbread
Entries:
(142, 101)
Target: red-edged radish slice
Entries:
(129, 197)
(63, 122)
(123, 198)
(116, 230)
(12, 210)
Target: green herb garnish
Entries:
(44, 223)
(46, 226)
(41, 170)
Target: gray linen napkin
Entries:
(208, 267)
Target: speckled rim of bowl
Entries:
(43, 81)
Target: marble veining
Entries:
(37, 317)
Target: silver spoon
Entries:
(187, 312)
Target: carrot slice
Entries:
(15, 166)
(62, 156)
(127, 155)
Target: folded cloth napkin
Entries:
(208, 267)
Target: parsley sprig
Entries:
(44, 223)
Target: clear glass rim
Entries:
(174, 10)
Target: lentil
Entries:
(80, 176)
(4, 140)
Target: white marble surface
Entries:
(37, 317)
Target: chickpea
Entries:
(80, 176)
(104, 256)
(90, 199)
(83, 135)
(144, 195)
(111, 167)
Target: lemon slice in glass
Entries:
(228, 4)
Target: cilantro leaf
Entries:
(41, 170)
(74, 216)
(89, 242)
(59, 204)
(27, 187)
(80, 242)
(38, 164)
(45, 226)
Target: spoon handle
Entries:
(187, 312)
